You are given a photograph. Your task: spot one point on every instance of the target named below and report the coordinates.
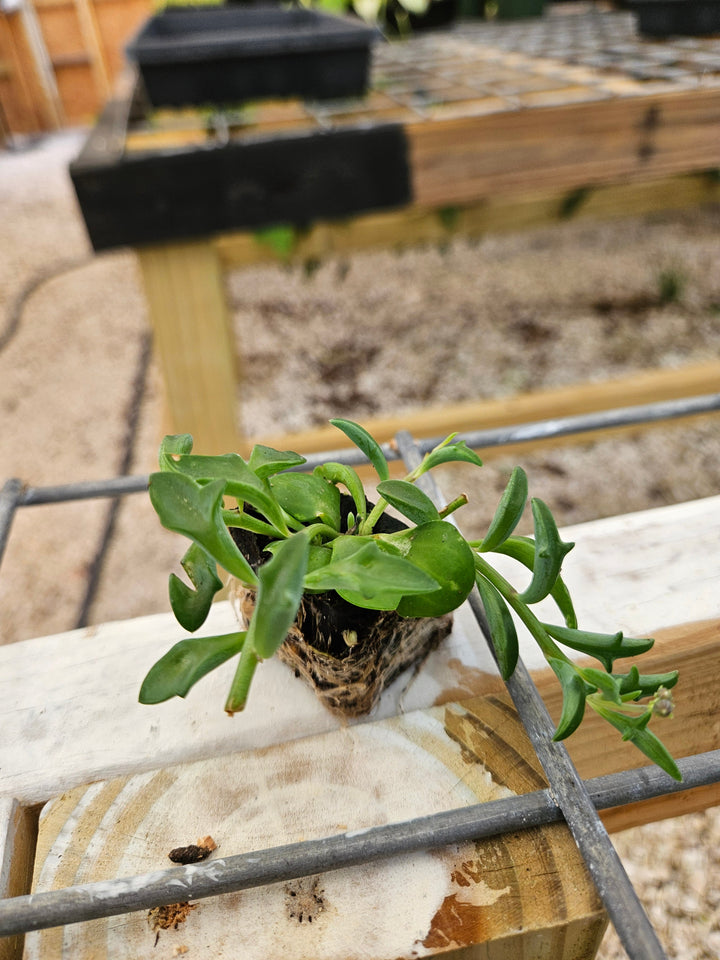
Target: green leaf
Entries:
(245, 521)
(550, 551)
(172, 446)
(265, 461)
(522, 549)
(191, 607)
(186, 663)
(281, 239)
(365, 442)
(240, 482)
(449, 453)
(409, 500)
(510, 509)
(340, 473)
(575, 692)
(441, 551)
(307, 497)
(367, 575)
(645, 684)
(502, 627)
(196, 512)
(605, 647)
(635, 730)
(279, 592)
(608, 685)
(654, 749)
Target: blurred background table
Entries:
(479, 128)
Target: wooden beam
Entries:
(497, 212)
(18, 838)
(42, 71)
(387, 758)
(92, 40)
(693, 649)
(525, 893)
(647, 386)
(564, 147)
(194, 342)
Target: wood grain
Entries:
(459, 161)
(189, 316)
(693, 649)
(647, 386)
(18, 839)
(528, 893)
(496, 212)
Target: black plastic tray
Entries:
(216, 55)
(664, 18)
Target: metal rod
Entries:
(10, 497)
(245, 871)
(477, 439)
(62, 493)
(547, 429)
(567, 788)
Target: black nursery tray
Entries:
(665, 18)
(197, 56)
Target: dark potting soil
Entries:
(326, 618)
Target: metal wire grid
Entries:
(568, 797)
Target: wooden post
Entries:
(87, 18)
(194, 342)
(526, 893)
(18, 838)
(52, 107)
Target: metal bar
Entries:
(62, 493)
(546, 429)
(10, 497)
(543, 429)
(245, 871)
(567, 789)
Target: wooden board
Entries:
(192, 334)
(58, 733)
(54, 691)
(637, 389)
(496, 213)
(525, 893)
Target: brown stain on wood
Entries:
(530, 878)
(461, 920)
(471, 682)
(489, 732)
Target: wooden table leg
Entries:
(194, 342)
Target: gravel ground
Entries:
(378, 333)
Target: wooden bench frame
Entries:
(645, 538)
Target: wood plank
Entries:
(93, 43)
(38, 76)
(595, 749)
(18, 839)
(643, 387)
(194, 342)
(58, 731)
(526, 893)
(458, 161)
(495, 213)
(694, 649)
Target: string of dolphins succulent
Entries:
(424, 570)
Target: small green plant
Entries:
(424, 570)
(671, 284)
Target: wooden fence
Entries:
(59, 59)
